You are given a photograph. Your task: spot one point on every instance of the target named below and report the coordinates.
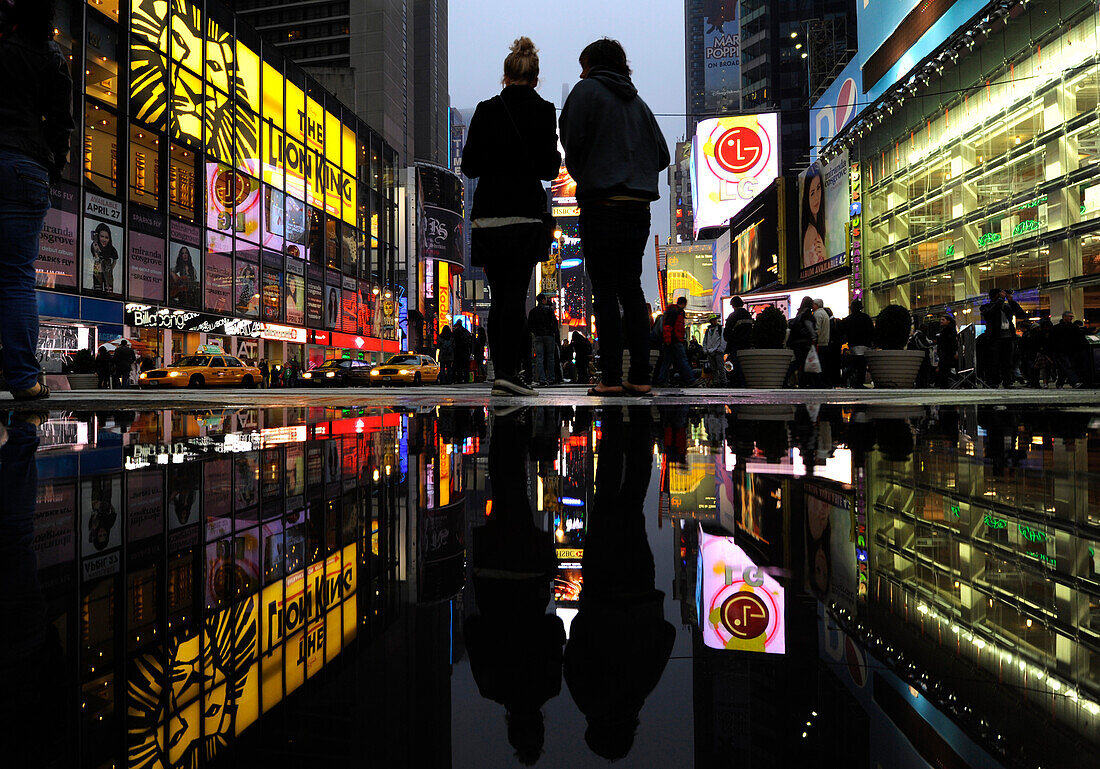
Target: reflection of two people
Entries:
(31, 669)
(619, 643)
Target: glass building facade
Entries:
(989, 177)
(215, 194)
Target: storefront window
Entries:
(182, 190)
(101, 149)
(101, 59)
(144, 167)
(247, 284)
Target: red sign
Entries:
(320, 337)
(356, 342)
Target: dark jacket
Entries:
(802, 328)
(993, 312)
(510, 155)
(738, 331)
(1066, 339)
(859, 329)
(104, 364)
(36, 113)
(123, 359)
(947, 345)
(613, 145)
(542, 322)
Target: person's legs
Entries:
(507, 333)
(1004, 361)
(1066, 370)
(24, 200)
(632, 235)
(678, 353)
(718, 366)
(543, 356)
(597, 228)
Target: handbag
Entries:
(813, 362)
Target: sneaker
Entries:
(513, 385)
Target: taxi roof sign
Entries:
(210, 349)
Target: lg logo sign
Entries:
(738, 150)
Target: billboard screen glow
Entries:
(734, 158)
(740, 606)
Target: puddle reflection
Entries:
(904, 586)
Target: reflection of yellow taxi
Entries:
(205, 368)
(406, 368)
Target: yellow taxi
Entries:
(209, 366)
(406, 368)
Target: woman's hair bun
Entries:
(523, 46)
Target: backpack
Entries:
(657, 333)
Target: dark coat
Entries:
(511, 147)
(36, 113)
(123, 359)
(859, 329)
(613, 145)
(738, 331)
(542, 321)
(993, 312)
(1066, 339)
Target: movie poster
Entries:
(184, 265)
(56, 263)
(147, 255)
(332, 307)
(722, 49)
(297, 229)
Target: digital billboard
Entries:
(733, 159)
(823, 216)
(721, 271)
(563, 194)
(722, 57)
(837, 107)
(689, 272)
(741, 607)
(756, 260)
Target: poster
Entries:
(315, 304)
(332, 306)
(145, 277)
(297, 231)
(272, 294)
(184, 265)
(100, 507)
(349, 312)
(722, 56)
(56, 263)
(720, 271)
(144, 504)
(295, 299)
(831, 567)
(274, 225)
(823, 216)
(217, 278)
(246, 289)
(103, 264)
(54, 521)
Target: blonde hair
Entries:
(521, 66)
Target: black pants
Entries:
(614, 240)
(1004, 350)
(508, 254)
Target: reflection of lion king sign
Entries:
(741, 606)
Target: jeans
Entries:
(24, 201)
(508, 254)
(544, 358)
(676, 357)
(614, 240)
(718, 366)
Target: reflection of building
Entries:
(228, 199)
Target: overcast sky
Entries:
(651, 31)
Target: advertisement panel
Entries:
(295, 299)
(217, 278)
(349, 312)
(246, 288)
(722, 56)
(185, 265)
(315, 303)
(831, 567)
(756, 263)
(720, 271)
(840, 103)
(563, 194)
(56, 263)
(733, 158)
(145, 279)
(823, 216)
(689, 274)
(102, 243)
(439, 215)
(741, 607)
(272, 294)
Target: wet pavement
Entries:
(679, 582)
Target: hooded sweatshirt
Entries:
(613, 145)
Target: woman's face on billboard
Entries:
(815, 196)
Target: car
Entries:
(201, 370)
(336, 371)
(406, 368)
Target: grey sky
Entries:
(651, 31)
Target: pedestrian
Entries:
(823, 330)
(1066, 342)
(479, 354)
(123, 361)
(675, 347)
(446, 355)
(36, 121)
(464, 342)
(544, 333)
(265, 373)
(859, 330)
(147, 363)
(511, 147)
(582, 349)
(615, 152)
(738, 336)
(998, 315)
(104, 368)
(802, 338)
(567, 369)
(714, 346)
(926, 343)
(947, 350)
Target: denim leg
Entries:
(24, 200)
(680, 361)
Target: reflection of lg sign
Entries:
(738, 149)
(745, 616)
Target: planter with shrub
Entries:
(81, 371)
(891, 365)
(765, 365)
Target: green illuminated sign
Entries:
(988, 239)
(1027, 225)
(1032, 535)
(1044, 558)
(950, 251)
(995, 523)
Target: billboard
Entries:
(563, 194)
(56, 263)
(832, 572)
(837, 107)
(756, 259)
(722, 57)
(720, 271)
(733, 158)
(689, 271)
(823, 215)
(741, 607)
